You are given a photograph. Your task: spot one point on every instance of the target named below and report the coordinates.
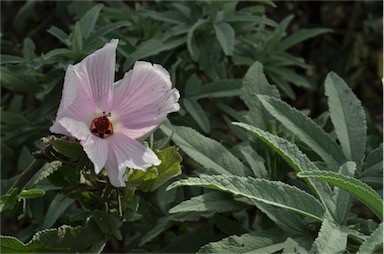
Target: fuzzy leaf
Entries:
(331, 239)
(255, 242)
(198, 113)
(217, 202)
(360, 190)
(270, 192)
(348, 118)
(374, 243)
(305, 129)
(207, 152)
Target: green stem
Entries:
(28, 173)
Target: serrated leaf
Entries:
(301, 35)
(154, 177)
(331, 239)
(205, 151)
(198, 114)
(348, 118)
(374, 243)
(226, 37)
(255, 82)
(31, 193)
(305, 129)
(217, 202)
(270, 192)
(46, 171)
(256, 242)
(88, 21)
(360, 190)
(70, 149)
(10, 244)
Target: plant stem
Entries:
(28, 173)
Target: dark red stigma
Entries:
(101, 126)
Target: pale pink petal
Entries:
(96, 148)
(115, 174)
(76, 102)
(97, 72)
(131, 153)
(143, 99)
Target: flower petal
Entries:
(97, 73)
(143, 99)
(76, 102)
(131, 153)
(115, 174)
(96, 148)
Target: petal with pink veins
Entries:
(96, 148)
(97, 74)
(115, 174)
(131, 153)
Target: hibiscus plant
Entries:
(183, 127)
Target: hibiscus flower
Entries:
(110, 117)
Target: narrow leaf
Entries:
(302, 35)
(348, 118)
(274, 193)
(56, 208)
(305, 129)
(226, 37)
(207, 152)
(198, 113)
(88, 21)
(360, 190)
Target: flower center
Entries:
(101, 126)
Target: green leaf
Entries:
(305, 129)
(9, 200)
(154, 177)
(270, 241)
(19, 83)
(59, 34)
(198, 114)
(255, 82)
(207, 152)
(255, 161)
(270, 192)
(152, 47)
(48, 169)
(274, 42)
(77, 38)
(70, 149)
(348, 118)
(360, 190)
(31, 193)
(88, 21)
(217, 89)
(331, 239)
(100, 32)
(29, 49)
(226, 37)
(301, 35)
(166, 222)
(217, 202)
(57, 207)
(7, 59)
(373, 172)
(191, 43)
(10, 244)
(374, 243)
(12, 118)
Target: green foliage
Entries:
(261, 167)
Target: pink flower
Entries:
(108, 118)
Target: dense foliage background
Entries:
(210, 49)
